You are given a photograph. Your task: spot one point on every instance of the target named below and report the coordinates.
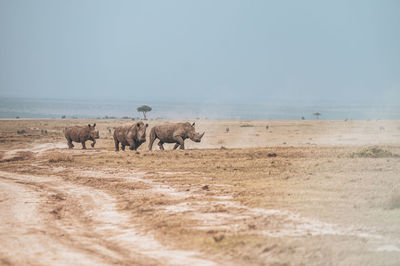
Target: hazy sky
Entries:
(218, 51)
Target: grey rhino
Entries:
(130, 135)
(174, 133)
(81, 134)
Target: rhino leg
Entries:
(70, 145)
(122, 147)
(176, 146)
(116, 145)
(83, 145)
(180, 142)
(152, 138)
(161, 145)
(93, 143)
(131, 144)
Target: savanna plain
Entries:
(261, 193)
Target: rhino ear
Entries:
(94, 125)
(89, 125)
(138, 124)
(147, 125)
(193, 124)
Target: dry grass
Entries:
(60, 157)
(246, 125)
(374, 152)
(394, 201)
(333, 183)
(19, 156)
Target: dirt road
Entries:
(47, 221)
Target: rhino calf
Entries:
(81, 134)
(131, 135)
(174, 133)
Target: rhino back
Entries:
(77, 133)
(167, 132)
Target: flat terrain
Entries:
(263, 193)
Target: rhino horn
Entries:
(202, 135)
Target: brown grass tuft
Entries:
(20, 156)
(394, 201)
(374, 152)
(60, 157)
(246, 125)
(25, 155)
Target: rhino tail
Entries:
(152, 138)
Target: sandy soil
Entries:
(292, 193)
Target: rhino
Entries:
(81, 134)
(174, 133)
(130, 135)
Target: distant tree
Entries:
(317, 115)
(63, 117)
(303, 118)
(144, 109)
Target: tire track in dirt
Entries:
(221, 213)
(97, 232)
(24, 232)
(39, 148)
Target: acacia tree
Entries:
(317, 115)
(144, 109)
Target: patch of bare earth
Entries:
(81, 225)
(315, 204)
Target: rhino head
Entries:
(193, 135)
(141, 131)
(93, 133)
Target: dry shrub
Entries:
(246, 125)
(60, 157)
(23, 155)
(19, 156)
(394, 201)
(374, 152)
